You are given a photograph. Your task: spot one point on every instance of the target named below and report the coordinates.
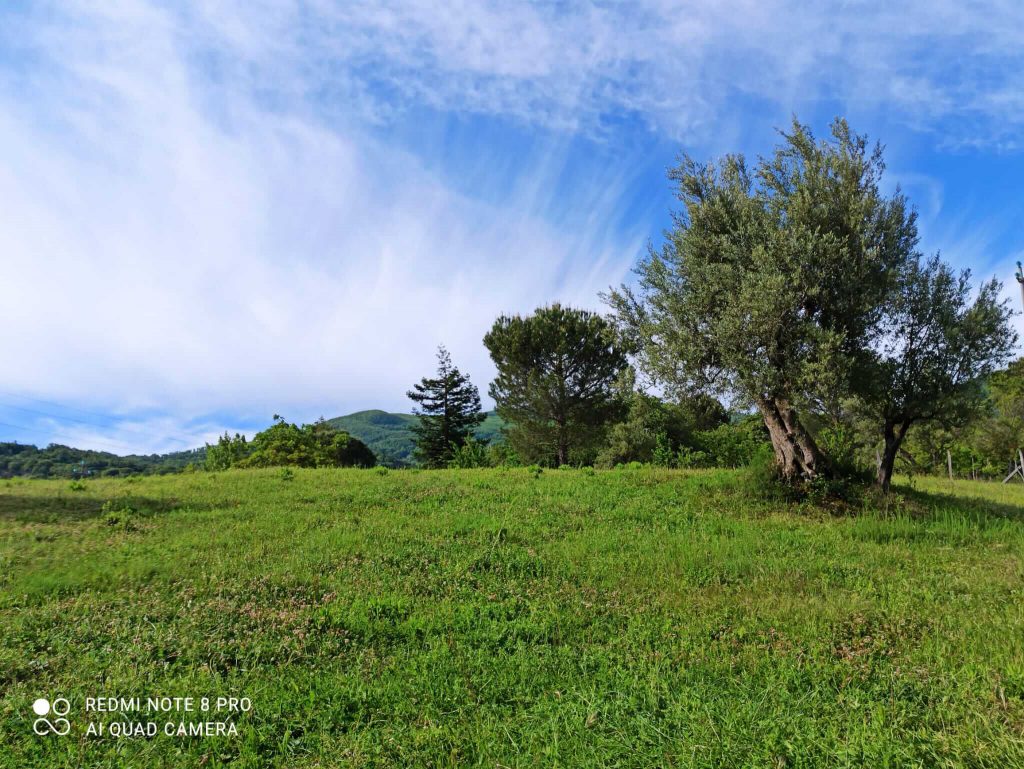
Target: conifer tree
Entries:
(448, 411)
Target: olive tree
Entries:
(936, 348)
(771, 282)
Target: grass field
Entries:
(635, 618)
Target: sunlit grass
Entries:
(484, 618)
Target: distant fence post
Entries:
(1016, 468)
(949, 464)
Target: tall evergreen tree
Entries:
(448, 410)
(556, 372)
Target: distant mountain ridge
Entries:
(389, 435)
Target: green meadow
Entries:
(509, 618)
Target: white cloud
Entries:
(162, 255)
(678, 64)
(196, 215)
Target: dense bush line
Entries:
(284, 444)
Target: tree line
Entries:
(791, 288)
(59, 461)
(568, 396)
(282, 444)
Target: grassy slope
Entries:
(484, 618)
(390, 435)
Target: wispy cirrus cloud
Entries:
(164, 250)
(212, 212)
(678, 65)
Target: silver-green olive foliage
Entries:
(772, 284)
(937, 347)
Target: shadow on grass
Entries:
(22, 508)
(927, 503)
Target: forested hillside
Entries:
(57, 461)
(390, 435)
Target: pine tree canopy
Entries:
(556, 371)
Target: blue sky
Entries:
(214, 212)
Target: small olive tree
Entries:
(936, 349)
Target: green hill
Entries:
(390, 435)
(490, 429)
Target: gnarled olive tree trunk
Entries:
(797, 455)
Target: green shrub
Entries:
(760, 478)
(663, 456)
(472, 453)
(119, 514)
(691, 458)
(840, 446)
(284, 444)
(732, 445)
(501, 454)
